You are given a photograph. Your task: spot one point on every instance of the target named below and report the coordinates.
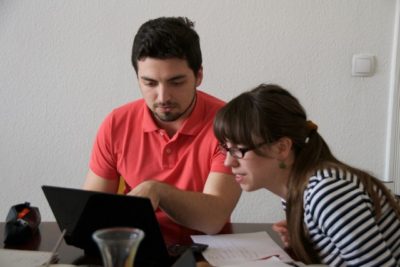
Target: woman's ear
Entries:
(284, 146)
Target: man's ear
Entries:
(284, 146)
(199, 76)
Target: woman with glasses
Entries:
(336, 214)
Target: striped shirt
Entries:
(339, 217)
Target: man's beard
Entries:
(166, 116)
(170, 116)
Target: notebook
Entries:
(82, 212)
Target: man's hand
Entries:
(192, 209)
(281, 228)
(149, 189)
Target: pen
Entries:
(267, 257)
(54, 251)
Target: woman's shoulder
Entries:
(331, 188)
(330, 175)
(327, 182)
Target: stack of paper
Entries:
(24, 258)
(270, 262)
(236, 249)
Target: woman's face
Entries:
(255, 171)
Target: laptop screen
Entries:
(82, 212)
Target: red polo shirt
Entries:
(131, 145)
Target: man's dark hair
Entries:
(168, 37)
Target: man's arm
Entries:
(206, 212)
(96, 183)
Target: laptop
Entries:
(187, 259)
(82, 212)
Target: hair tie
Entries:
(311, 126)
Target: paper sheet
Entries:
(233, 249)
(270, 262)
(23, 258)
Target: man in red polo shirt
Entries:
(163, 145)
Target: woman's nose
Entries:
(230, 161)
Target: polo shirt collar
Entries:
(148, 122)
(193, 124)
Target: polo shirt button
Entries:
(168, 150)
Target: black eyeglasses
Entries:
(236, 152)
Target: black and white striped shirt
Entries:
(339, 217)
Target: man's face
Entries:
(168, 87)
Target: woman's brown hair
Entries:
(268, 113)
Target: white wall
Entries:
(65, 64)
